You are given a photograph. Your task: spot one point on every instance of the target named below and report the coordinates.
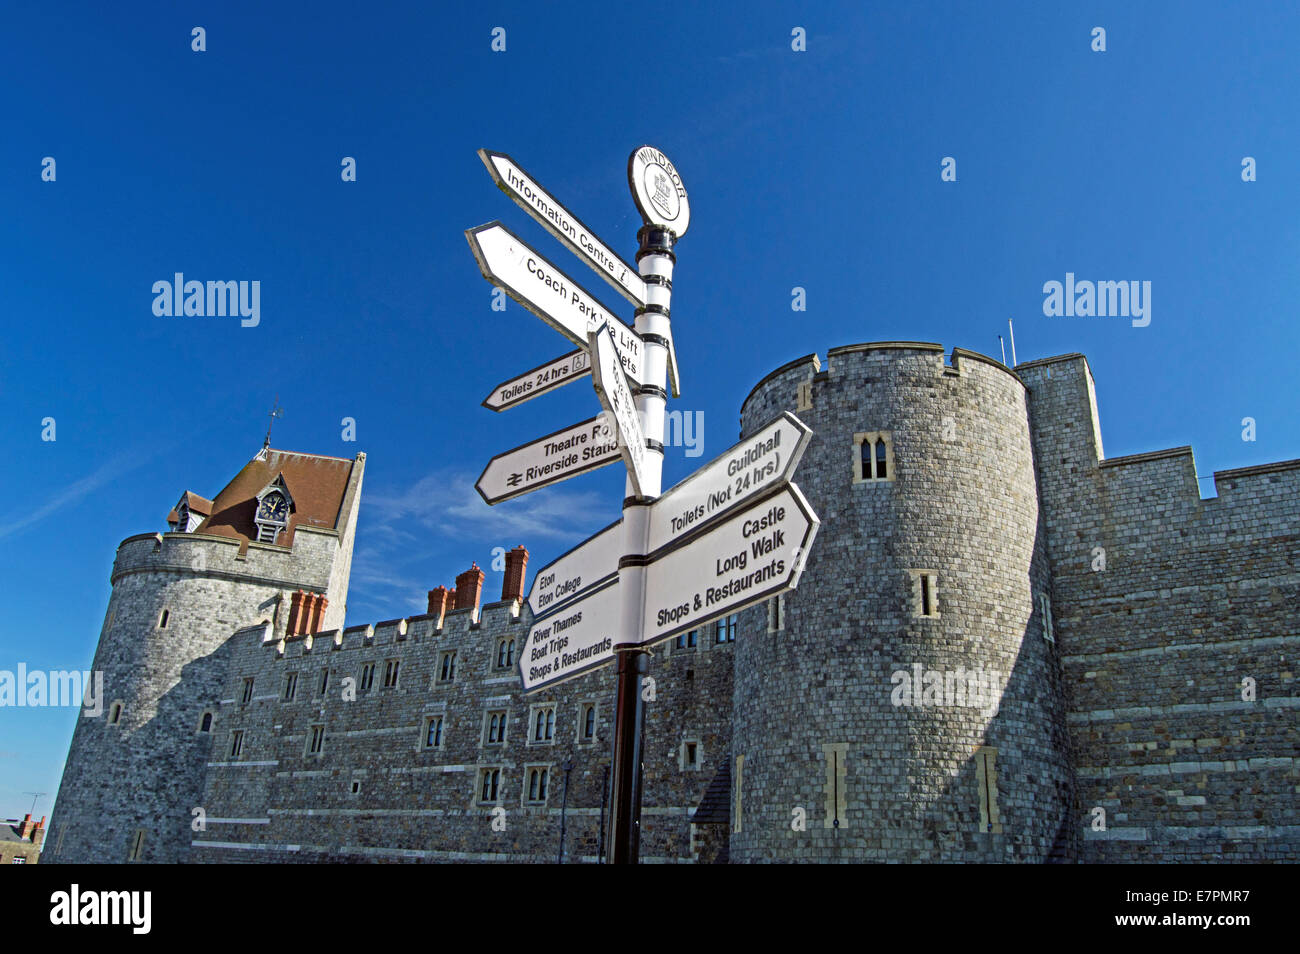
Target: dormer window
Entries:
(273, 508)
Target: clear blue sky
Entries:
(818, 169)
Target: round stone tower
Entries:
(905, 703)
(136, 767)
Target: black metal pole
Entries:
(629, 717)
(604, 801)
(564, 807)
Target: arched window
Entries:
(866, 449)
(882, 466)
(206, 724)
(589, 723)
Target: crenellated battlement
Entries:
(460, 627)
(307, 564)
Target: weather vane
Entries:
(275, 412)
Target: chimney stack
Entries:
(26, 831)
(297, 614)
(317, 616)
(440, 600)
(38, 833)
(512, 587)
(469, 587)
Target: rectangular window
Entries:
(494, 727)
(837, 801)
(588, 722)
(316, 740)
(1045, 607)
(776, 613)
(433, 732)
(726, 629)
(137, 846)
(367, 676)
(248, 692)
(543, 724)
(737, 785)
(925, 593)
(536, 778)
(986, 776)
(505, 654)
(324, 680)
(390, 673)
(873, 457)
(290, 686)
(690, 755)
(236, 743)
(489, 787)
(447, 668)
(688, 640)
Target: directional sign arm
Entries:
(616, 397)
(538, 202)
(541, 379)
(566, 453)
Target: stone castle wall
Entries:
(1189, 598)
(279, 802)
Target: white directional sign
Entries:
(564, 225)
(570, 642)
(546, 377)
(566, 453)
(616, 396)
(729, 480)
(588, 565)
(755, 554)
(507, 261)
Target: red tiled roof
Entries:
(317, 485)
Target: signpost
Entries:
(510, 263)
(587, 566)
(572, 640)
(733, 534)
(752, 555)
(543, 378)
(755, 464)
(548, 460)
(611, 388)
(564, 225)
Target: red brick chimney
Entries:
(469, 587)
(38, 833)
(297, 614)
(512, 587)
(26, 831)
(440, 600)
(317, 615)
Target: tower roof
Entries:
(318, 485)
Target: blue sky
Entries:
(818, 169)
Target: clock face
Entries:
(274, 508)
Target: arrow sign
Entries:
(508, 262)
(731, 479)
(546, 377)
(569, 643)
(742, 560)
(564, 225)
(548, 460)
(616, 397)
(590, 564)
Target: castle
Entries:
(1004, 647)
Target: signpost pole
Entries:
(655, 260)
